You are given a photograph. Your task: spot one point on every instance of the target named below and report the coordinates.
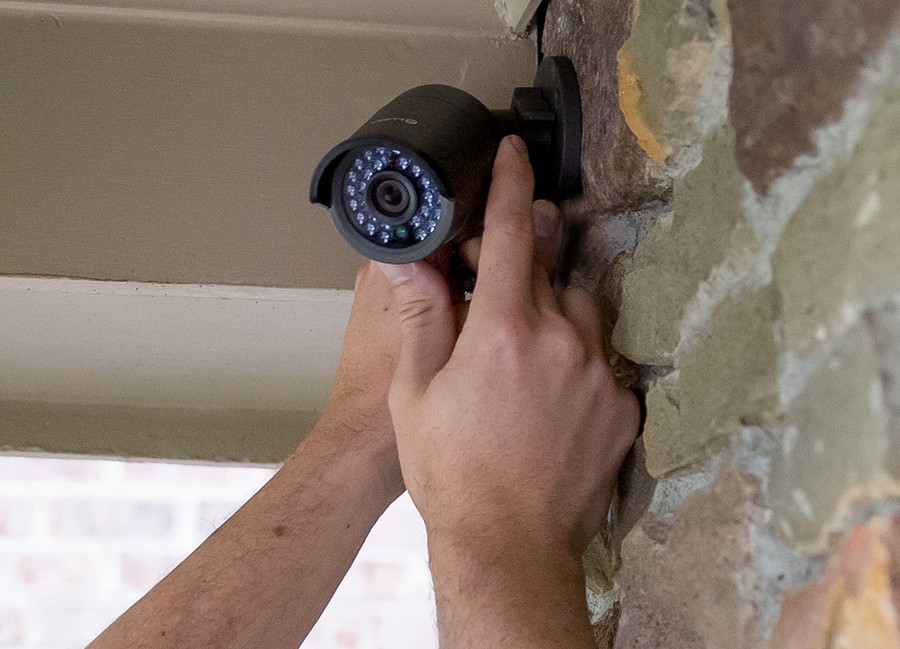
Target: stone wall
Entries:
(741, 219)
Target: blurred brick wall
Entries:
(81, 540)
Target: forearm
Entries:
(514, 594)
(263, 578)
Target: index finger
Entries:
(507, 245)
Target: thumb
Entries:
(427, 325)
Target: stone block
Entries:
(92, 518)
(53, 572)
(699, 571)
(12, 626)
(795, 65)
(728, 379)
(835, 440)
(884, 328)
(679, 255)
(16, 517)
(674, 73)
(617, 174)
(840, 252)
(856, 603)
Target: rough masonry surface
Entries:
(740, 223)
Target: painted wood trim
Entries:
(178, 434)
(190, 372)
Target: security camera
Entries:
(416, 175)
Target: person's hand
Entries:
(516, 430)
(359, 397)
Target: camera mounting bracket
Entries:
(548, 117)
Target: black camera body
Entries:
(416, 175)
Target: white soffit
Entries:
(175, 346)
(438, 16)
(175, 372)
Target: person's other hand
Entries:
(358, 403)
(516, 430)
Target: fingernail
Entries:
(518, 145)
(397, 273)
(546, 222)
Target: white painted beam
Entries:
(457, 17)
(178, 371)
(171, 434)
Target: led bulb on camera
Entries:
(390, 198)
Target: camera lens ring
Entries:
(374, 234)
(393, 195)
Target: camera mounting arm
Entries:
(548, 117)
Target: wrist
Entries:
(495, 524)
(353, 459)
(363, 419)
(494, 547)
(521, 589)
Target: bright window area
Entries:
(81, 540)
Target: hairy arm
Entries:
(264, 577)
(512, 592)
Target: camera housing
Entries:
(416, 175)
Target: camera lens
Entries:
(392, 206)
(392, 194)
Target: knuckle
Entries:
(600, 372)
(566, 344)
(628, 420)
(397, 395)
(572, 351)
(632, 414)
(510, 166)
(415, 310)
(507, 333)
(516, 224)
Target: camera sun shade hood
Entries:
(457, 137)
